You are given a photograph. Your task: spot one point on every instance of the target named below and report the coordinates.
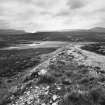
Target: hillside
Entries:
(9, 37)
(98, 29)
(72, 76)
(70, 36)
(11, 32)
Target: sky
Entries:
(39, 15)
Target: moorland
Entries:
(67, 74)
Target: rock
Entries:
(54, 97)
(42, 72)
(55, 103)
(43, 104)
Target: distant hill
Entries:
(98, 29)
(11, 32)
(9, 37)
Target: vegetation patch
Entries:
(98, 48)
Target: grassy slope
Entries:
(14, 63)
(98, 48)
(71, 77)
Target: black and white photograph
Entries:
(52, 52)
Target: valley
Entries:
(52, 68)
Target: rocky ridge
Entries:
(71, 76)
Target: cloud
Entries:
(75, 4)
(37, 15)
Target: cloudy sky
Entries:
(37, 15)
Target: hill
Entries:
(98, 29)
(71, 76)
(70, 36)
(11, 32)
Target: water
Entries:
(38, 44)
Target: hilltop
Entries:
(98, 29)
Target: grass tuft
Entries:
(46, 79)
